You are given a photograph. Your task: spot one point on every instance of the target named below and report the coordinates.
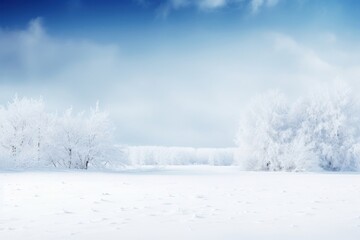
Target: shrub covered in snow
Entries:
(317, 132)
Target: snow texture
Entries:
(191, 202)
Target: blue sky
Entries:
(123, 20)
(176, 72)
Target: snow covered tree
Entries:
(97, 146)
(264, 133)
(328, 123)
(32, 137)
(82, 140)
(317, 132)
(67, 136)
(24, 131)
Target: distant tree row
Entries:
(160, 155)
(32, 137)
(321, 131)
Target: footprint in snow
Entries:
(198, 216)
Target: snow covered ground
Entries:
(193, 202)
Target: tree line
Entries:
(320, 131)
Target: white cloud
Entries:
(33, 55)
(32, 62)
(254, 5)
(320, 60)
(305, 56)
(212, 3)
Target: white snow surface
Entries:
(179, 202)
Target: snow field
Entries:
(192, 202)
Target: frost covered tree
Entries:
(97, 145)
(32, 137)
(328, 124)
(67, 136)
(24, 131)
(82, 140)
(265, 133)
(317, 132)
